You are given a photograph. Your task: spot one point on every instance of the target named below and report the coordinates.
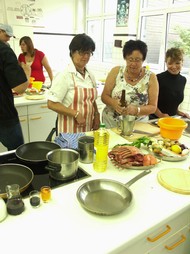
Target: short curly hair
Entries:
(176, 54)
(132, 45)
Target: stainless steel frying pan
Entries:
(106, 197)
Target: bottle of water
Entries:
(101, 144)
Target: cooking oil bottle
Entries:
(101, 144)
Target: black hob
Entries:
(41, 175)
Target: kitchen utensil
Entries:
(35, 152)
(86, 149)
(3, 210)
(171, 128)
(45, 192)
(174, 158)
(106, 197)
(126, 124)
(34, 196)
(175, 179)
(35, 97)
(15, 204)
(144, 132)
(37, 84)
(62, 163)
(14, 173)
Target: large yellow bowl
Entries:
(171, 128)
(37, 85)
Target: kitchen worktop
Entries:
(63, 226)
(22, 101)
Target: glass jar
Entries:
(15, 204)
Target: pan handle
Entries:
(54, 169)
(133, 180)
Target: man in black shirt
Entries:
(12, 76)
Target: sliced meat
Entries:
(127, 156)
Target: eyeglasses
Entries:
(83, 53)
(134, 60)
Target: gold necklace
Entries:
(133, 80)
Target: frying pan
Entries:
(11, 173)
(35, 152)
(106, 197)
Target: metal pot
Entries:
(126, 124)
(62, 164)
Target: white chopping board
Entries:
(175, 179)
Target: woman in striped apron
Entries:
(73, 92)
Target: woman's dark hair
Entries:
(81, 42)
(132, 45)
(30, 46)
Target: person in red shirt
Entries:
(35, 59)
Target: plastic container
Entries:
(101, 144)
(37, 85)
(171, 128)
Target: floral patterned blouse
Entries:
(135, 94)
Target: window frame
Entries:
(147, 12)
(102, 17)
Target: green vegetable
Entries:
(138, 142)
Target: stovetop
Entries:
(41, 175)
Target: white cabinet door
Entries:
(179, 243)
(24, 126)
(22, 113)
(40, 125)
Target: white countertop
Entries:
(22, 101)
(63, 226)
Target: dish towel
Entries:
(69, 140)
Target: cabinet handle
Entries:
(43, 106)
(160, 235)
(183, 239)
(35, 118)
(22, 120)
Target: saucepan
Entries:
(106, 197)
(62, 163)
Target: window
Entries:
(100, 25)
(164, 24)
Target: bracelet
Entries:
(138, 110)
(76, 114)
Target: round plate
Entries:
(171, 158)
(132, 167)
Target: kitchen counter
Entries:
(22, 101)
(63, 226)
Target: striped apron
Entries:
(83, 102)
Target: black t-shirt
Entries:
(11, 75)
(171, 92)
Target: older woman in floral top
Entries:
(139, 83)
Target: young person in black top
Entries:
(12, 76)
(171, 86)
